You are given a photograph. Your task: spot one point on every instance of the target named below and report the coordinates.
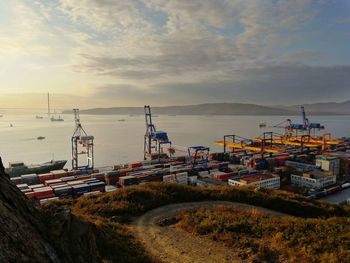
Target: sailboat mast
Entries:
(48, 104)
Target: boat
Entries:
(41, 138)
(121, 120)
(262, 125)
(49, 112)
(39, 117)
(16, 169)
(1, 115)
(56, 119)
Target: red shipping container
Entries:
(30, 195)
(75, 172)
(136, 165)
(44, 196)
(45, 177)
(52, 181)
(45, 193)
(214, 165)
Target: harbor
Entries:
(300, 159)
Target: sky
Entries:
(103, 53)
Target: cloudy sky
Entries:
(91, 53)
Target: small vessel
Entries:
(11, 125)
(121, 120)
(16, 169)
(262, 125)
(39, 117)
(49, 112)
(40, 138)
(56, 119)
(1, 115)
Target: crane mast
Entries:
(153, 139)
(82, 145)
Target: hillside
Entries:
(227, 109)
(326, 107)
(202, 109)
(54, 235)
(101, 228)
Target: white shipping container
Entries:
(182, 178)
(193, 179)
(169, 178)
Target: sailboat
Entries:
(53, 118)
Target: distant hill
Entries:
(202, 109)
(331, 108)
(325, 107)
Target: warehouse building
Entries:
(316, 179)
(258, 180)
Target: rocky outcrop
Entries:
(22, 233)
(28, 234)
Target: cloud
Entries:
(104, 14)
(178, 49)
(266, 85)
(187, 45)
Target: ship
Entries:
(262, 125)
(16, 169)
(52, 118)
(56, 119)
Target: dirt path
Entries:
(170, 244)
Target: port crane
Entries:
(82, 145)
(304, 134)
(237, 142)
(198, 156)
(154, 140)
(296, 129)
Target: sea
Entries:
(119, 139)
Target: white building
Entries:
(328, 164)
(258, 180)
(316, 181)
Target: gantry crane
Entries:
(82, 145)
(299, 129)
(154, 140)
(198, 156)
(264, 146)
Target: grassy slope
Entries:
(273, 238)
(109, 213)
(137, 200)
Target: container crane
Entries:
(198, 156)
(237, 142)
(154, 140)
(82, 145)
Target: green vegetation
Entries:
(263, 237)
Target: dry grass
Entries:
(109, 214)
(264, 237)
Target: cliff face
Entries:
(22, 233)
(30, 235)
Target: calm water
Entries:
(119, 142)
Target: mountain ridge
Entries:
(330, 108)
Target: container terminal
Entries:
(301, 159)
